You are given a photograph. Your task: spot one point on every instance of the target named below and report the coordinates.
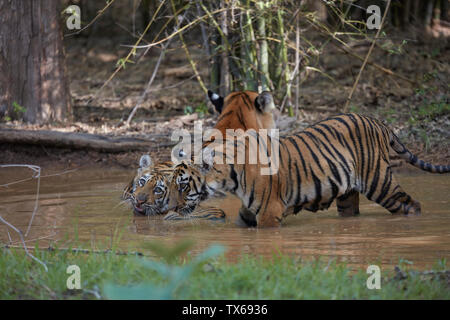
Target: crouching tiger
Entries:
(148, 190)
(337, 158)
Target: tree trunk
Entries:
(444, 10)
(33, 85)
(263, 63)
(406, 10)
(248, 50)
(429, 13)
(224, 89)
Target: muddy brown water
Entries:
(84, 206)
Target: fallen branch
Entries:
(72, 140)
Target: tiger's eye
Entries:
(158, 190)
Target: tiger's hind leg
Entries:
(348, 204)
(390, 195)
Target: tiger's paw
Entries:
(246, 218)
(209, 214)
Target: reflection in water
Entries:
(85, 205)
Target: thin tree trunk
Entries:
(444, 10)
(224, 70)
(215, 64)
(282, 55)
(263, 65)
(429, 13)
(203, 30)
(297, 65)
(5, 89)
(248, 51)
(416, 7)
(406, 10)
(33, 61)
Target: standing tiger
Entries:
(148, 191)
(337, 158)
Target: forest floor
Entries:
(417, 110)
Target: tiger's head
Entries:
(192, 183)
(186, 188)
(148, 191)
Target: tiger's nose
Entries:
(141, 198)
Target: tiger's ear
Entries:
(216, 100)
(264, 102)
(145, 161)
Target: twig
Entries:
(347, 49)
(366, 59)
(188, 55)
(131, 51)
(149, 83)
(23, 243)
(289, 86)
(37, 174)
(35, 239)
(373, 64)
(172, 86)
(92, 21)
(155, 71)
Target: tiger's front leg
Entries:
(246, 218)
(271, 215)
(348, 204)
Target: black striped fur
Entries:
(239, 110)
(335, 159)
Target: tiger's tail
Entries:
(412, 159)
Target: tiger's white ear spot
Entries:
(215, 96)
(145, 161)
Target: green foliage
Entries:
(429, 110)
(122, 61)
(18, 108)
(167, 253)
(173, 275)
(201, 109)
(17, 112)
(280, 277)
(394, 48)
(355, 109)
(188, 110)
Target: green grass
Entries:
(118, 276)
